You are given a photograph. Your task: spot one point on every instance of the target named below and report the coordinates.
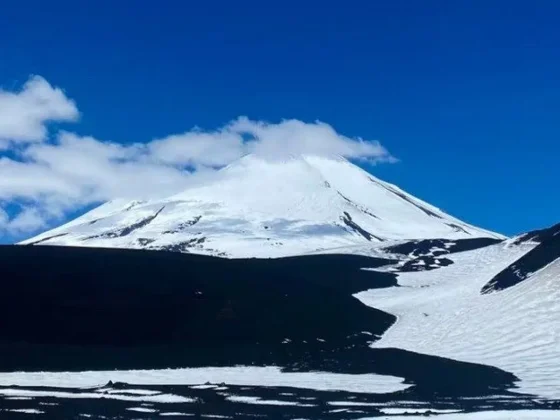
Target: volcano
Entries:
(258, 207)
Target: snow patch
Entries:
(238, 375)
(516, 330)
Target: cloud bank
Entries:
(46, 174)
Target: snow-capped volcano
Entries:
(260, 207)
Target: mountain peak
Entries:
(258, 206)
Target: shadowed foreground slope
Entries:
(82, 309)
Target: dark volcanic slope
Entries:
(438, 247)
(83, 309)
(540, 235)
(429, 254)
(547, 251)
(140, 299)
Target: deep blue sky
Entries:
(465, 93)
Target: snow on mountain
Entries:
(257, 207)
(514, 326)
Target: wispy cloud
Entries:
(49, 176)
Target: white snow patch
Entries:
(412, 410)
(354, 404)
(142, 409)
(26, 411)
(160, 398)
(515, 329)
(256, 400)
(130, 391)
(238, 375)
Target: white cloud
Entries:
(27, 220)
(78, 170)
(50, 177)
(294, 137)
(24, 115)
(197, 148)
(270, 140)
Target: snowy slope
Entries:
(445, 312)
(255, 207)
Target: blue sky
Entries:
(466, 94)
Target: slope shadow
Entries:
(73, 309)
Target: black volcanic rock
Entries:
(428, 254)
(81, 308)
(76, 309)
(547, 251)
(540, 235)
(437, 247)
